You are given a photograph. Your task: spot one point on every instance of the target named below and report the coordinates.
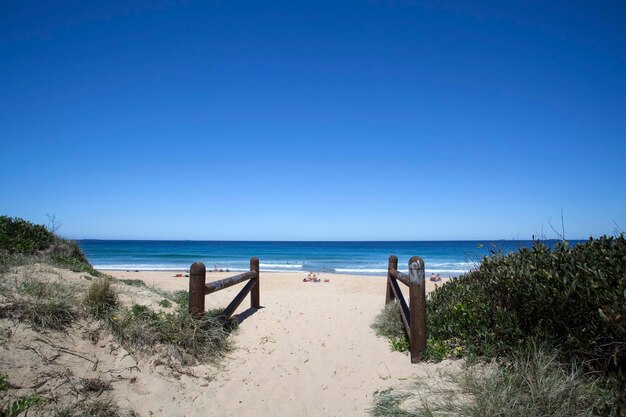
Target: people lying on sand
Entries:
(435, 278)
(311, 278)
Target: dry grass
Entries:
(185, 339)
(100, 407)
(101, 298)
(388, 323)
(534, 383)
(42, 304)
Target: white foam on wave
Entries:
(156, 267)
(141, 267)
(446, 271)
(458, 265)
(289, 266)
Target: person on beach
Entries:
(435, 278)
(311, 278)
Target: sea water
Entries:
(448, 258)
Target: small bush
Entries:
(101, 298)
(19, 237)
(165, 303)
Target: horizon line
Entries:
(324, 241)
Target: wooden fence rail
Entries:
(198, 288)
(413, 315)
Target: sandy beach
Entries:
(308, 352)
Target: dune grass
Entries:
(101, 299)
(99, 407)
(133, 282)
(187, 340)
(388, 324)
(42, 304)
(533, 383)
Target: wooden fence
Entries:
(198, 288)
(413, 315)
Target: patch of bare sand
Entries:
(308, 352)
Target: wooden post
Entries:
(393, 264)
(417, 308)
(197, 280)
(255, 292)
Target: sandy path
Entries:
(308, 352)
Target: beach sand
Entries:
(309, 351)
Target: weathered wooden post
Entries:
(255, 292)
(417, 308)
(393, 265)
(197, 281)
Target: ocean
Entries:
(448, 258)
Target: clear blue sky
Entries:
(340, 120)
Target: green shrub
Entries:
(19, 237)
(574, 297)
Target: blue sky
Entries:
(298, 120)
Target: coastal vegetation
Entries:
(23, 242)
(571, 300)
(533, 382)
(387, 324)
(44, 300)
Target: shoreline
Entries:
(448, 259)
(239, 271)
